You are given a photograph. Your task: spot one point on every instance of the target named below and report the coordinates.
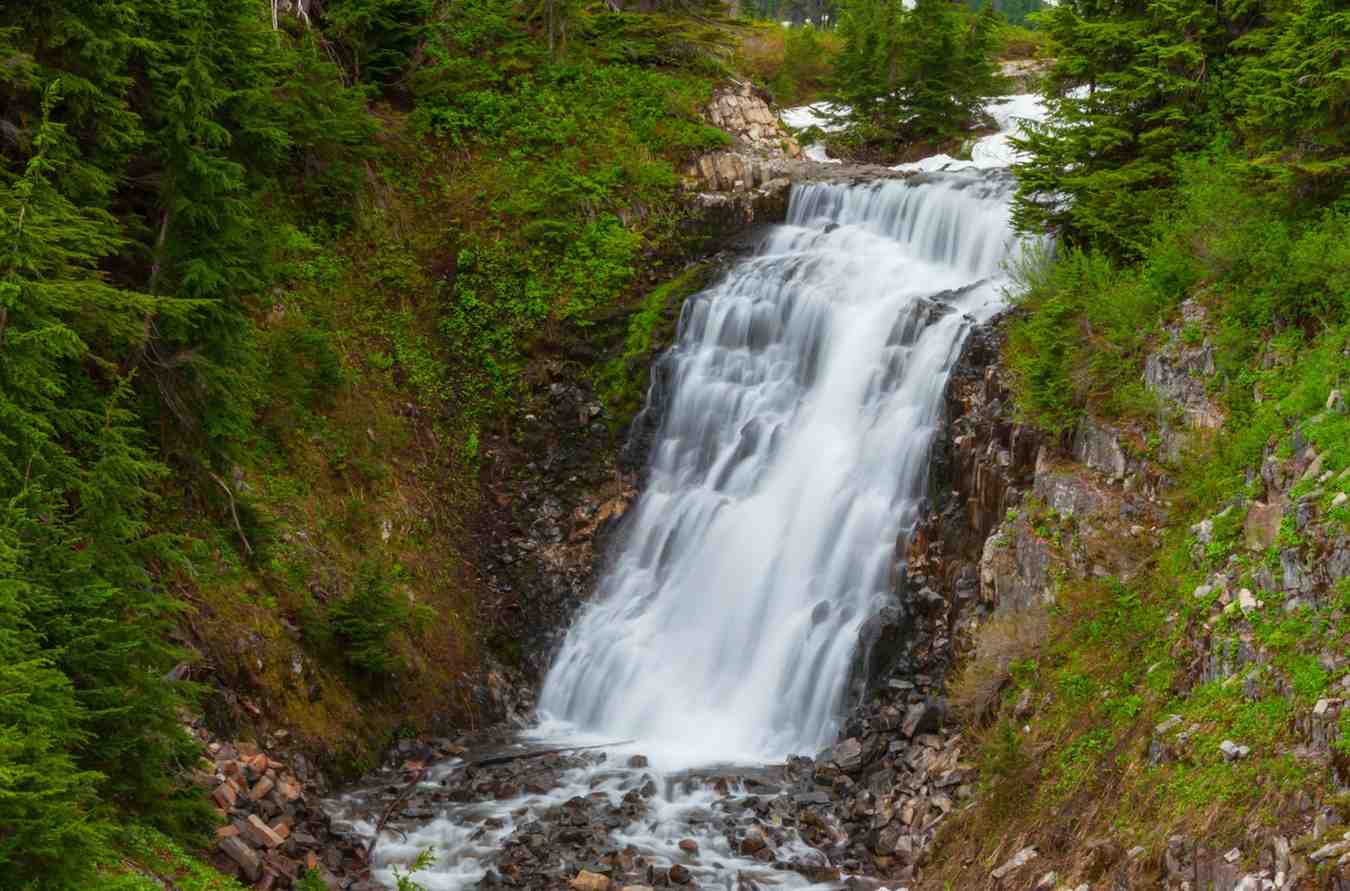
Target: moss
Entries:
(622, 381)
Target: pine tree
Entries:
(77, 604)
(1296, 87)
(1132, 89)
(911, 75)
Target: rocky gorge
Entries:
(1008, 514)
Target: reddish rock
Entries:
(248, 861)
(261, 788)
(260, 833)
(224, 796)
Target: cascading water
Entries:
(801, 398)
(798, 407)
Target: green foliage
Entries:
(82, 620)
(587, 158)
(622, 382)
(806, 65)
(1090, 320)
(376, 39)
(404, 880)
(138, 141)
(1082, 339)
(1135, 90)
(1296, 87)
(1017, 12)
(143, 855)
(917, 74)
(364, 621)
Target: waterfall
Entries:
(799, 404)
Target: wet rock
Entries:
(680, 874)
(753, 842)
(638, 761)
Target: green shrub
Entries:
(365, 621)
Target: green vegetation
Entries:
(795, 64)
(1136, 92)
(1180, 168)
(909, 76)
(265, 292)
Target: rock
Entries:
(1020, 859)
(1263, 523)
(248, 860)
(679, 874)
(1327, 852)
(1048, 881)
(753, 842)
(262, 787)
(924, 717)
(1233, 856)
(1247, 601)
(1099, 448)
(1232, 751)
(689, 846)
(638, 761)
(1336, 402)
(260, 833)
(848, 755)
(224, 796)
(589, 881)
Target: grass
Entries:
(148, 860)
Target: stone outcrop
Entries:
(749, 180)
(1177, 372)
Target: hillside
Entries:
(334, 371)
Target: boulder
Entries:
(1020, 859)
(923, 717)
(1262, 526)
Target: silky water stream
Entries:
(798, 407)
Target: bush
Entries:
(365, 621)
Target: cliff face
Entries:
(1028, 572)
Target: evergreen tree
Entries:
(1297, 95)
(75, 593)
(1133, 87)
(910, 75)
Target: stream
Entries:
(798, 406)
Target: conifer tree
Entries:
(917, 74)
(1133, 87)
(77, 605)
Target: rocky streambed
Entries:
(519, 812)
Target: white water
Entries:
(803, 393)
(799, 405)
(990, 152)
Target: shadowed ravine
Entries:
(798, 409)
